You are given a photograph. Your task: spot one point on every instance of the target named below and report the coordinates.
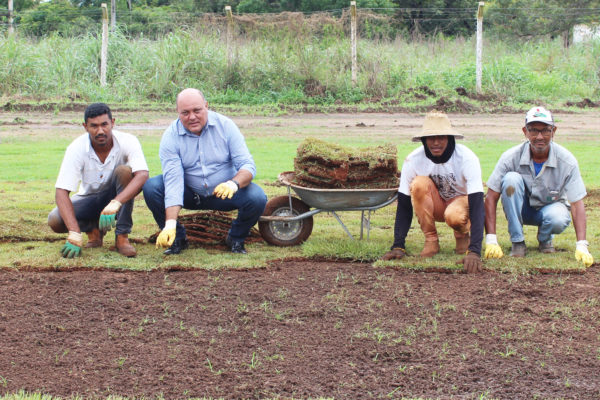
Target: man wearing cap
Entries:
(441, 181)
(538, 182)
(206, 165)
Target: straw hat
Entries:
(436, 124)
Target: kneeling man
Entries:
(111, 168)
(441, 181)
(538, 181)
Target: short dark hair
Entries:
(95, 110)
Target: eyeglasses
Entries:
(546, 132)
(186, 114)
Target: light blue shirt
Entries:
(202, 161)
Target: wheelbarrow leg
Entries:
(365, 221)
(342, 224)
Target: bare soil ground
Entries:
(388, 126)
(300, 329)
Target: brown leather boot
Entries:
(123, 246)
(94, 238)
(462, 244)
(431, 248)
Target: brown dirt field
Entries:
(300, 329)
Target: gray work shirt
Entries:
(558, 181)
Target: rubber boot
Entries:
(431, 248)
(123, 246)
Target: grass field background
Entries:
(30, 163)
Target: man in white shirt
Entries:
(109, 169)
(539, 183)
(441, 181)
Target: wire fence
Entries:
(373, 23)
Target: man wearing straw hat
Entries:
(441, 181)
(538, 181)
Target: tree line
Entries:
(512, 18)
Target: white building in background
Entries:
(585, 33)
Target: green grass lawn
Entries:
(30, 163)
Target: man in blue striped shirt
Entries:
(206, 165)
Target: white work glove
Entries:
(492, 248)
(583, 254)
(226, 190)
(166, 237)
(108, 215)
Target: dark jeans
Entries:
(88, 207)
(250, 202)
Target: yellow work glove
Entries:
(108, 215)
(583, 254)
(72, 247)
(492, 248)
(166, 237)
(226, 190)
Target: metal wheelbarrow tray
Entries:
(287, 220)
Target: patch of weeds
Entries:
(254, 361)
(211, 369)
(120, 362)
(509, 352)
(283, 293)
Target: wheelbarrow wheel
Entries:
(285, 233)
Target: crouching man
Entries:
(109, 168)
(441, 181)
(538, 182)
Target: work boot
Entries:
(179, 244)
(462, 244)
(123, 246)
(547, 247)
(431, 248)
(396, 253)
(236, 247)
(518, 249)
(95, 237)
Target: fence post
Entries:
(353, 39)
(113, 15)
(479, 46)
(229, 35)
(104, 50)
(10, 17)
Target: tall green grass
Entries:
(290, 69)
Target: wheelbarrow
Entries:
(288, 220)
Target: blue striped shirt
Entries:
(202, 161)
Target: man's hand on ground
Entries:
(226, 190)
(472, 263)
(72, 247)
(166, 237)
(108, 216)
(492, 248)
(582, 254)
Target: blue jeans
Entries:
(250, 202)
(550, 219)
(88, 208)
